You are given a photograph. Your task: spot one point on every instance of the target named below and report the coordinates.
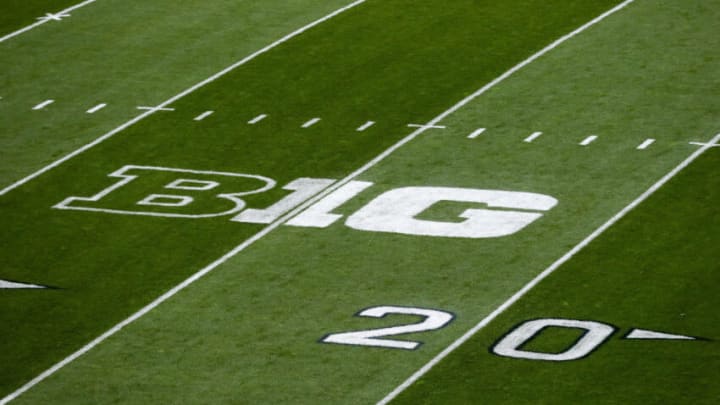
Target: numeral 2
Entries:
(434, 320)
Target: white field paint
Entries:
(280, 221)
(540, 277)
(710, 145)
(645, 144)
(257, 119)
(179, 96)
(426, 126)
(532, 137)
(48, 17)
(365, 126)
(43, 104)
(4, 284)
(596, 334)
(203, 115)
(155, 109)
(476, 133)
(649, 334)
(587, 141)
(96, 108)
(85, 203)
(311, 123)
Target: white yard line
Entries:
(43, 105)
(203, 115)
(587, 141)
(257, 119)
(646, 144)
(365, 126)
(311, 123)
(532, 137)
(476, 133)
(540, 277)
(49, 17)
(178, 96)
(96, 108)
(52, 370)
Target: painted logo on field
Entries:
(169, 192)
(182, 193)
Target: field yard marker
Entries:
(47, 17)
(53, 17)
(203, 115)
(554, 266)
(311, 123)
(178, 96)
(365, 126)
(532, 137)
(4, 284)
(280, 221)
(645, 144)
(712, 144)
(476, 133)
(155, 109)
(43, 104)
(653, 335)
(257, 119)
(96, 108)
(426, 126)
(587, 141)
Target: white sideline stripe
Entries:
(476, 133)
(179, 96)
(257, 119)
(96, 108)
(203, 115)
(43, 21)
(52, 370)
(532, 137)
(587, 141)
(365, 126)
(311, 123)
(645, 144)
(540, 277)
(43, 104)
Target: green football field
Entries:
(368, 202)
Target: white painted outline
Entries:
(186, 184)
(126, 178)
(46, 18)
(177, 97)
(207, 269)
(540, 277)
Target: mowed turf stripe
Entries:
(657, 269)
(250, 330)
(21, 16)
(259, 235)
(155, 55)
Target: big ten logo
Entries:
(168, 192)
(476, 213)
